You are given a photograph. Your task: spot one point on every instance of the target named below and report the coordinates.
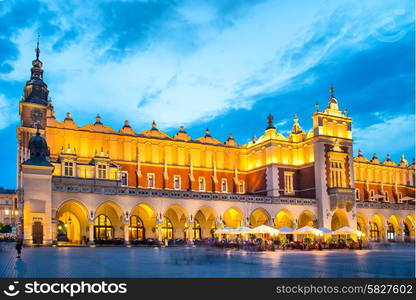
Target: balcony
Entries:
(113, 187)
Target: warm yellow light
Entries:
(59, 227)
(7, 212)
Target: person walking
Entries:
(19, 245)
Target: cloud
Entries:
(199, 61)
(393, 135)
(6, 115)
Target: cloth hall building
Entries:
(81, 183)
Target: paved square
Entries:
(204, 262)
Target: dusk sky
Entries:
(220, 64)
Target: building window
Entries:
(196, 230)
(400, 197)
(167, 229)
(102, 171)
(241, 188)
(136, 229)
(337, 177)
(124, 179)
(371, 195)
(224, 185)
(68, 168)
(391, 233)
(357, 194)
(288, 182)
(386, 196)
(177, 182)
(374, 233)
(151, 181)
(103, 230)
(201, 184)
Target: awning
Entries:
(285, 230)
(264, 229)
(308, 230)
(345, 230)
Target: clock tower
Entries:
(35, 102)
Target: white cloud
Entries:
(228, 71)
(394, 136)
(6, 115)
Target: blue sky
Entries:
(218, 64)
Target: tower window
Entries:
(124, 179)
(400, 197)
(386, 196)
(288, 182)
(224, 185)
(177, 182)
(102, 171)
(151, 180)
(201, 184)
(68, 168)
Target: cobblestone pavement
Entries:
(203, 262)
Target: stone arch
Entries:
(206, 218)
(259, 216)
(178, 216)
(394, 229)
(115, 215)
(339, 219)
(376, 229)
(362, 221)
(409, 228)
(147, 215)
(306, 218)
(72, 217)
(284, 218)
(233, 217)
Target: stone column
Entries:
(91, 233)
(126, 234)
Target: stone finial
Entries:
(270, 119)
(98, 119)
(126, 123)
(316, 107)
(207, 132)
(182, 128)
(68, 116)
(360, 153)
(154, 125)
(254, 138)
(388, 157)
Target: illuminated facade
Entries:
(8, 207)
(97, 183)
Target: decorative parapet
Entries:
(386, 205)
(113, 187)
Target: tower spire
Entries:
(37, 49)
(36, 90)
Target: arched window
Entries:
(196, 230)
(390, 233)
(374, 233)
(103, 230)
(136, 229)
(167, 229)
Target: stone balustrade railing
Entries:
(113, 187)
(386, 205)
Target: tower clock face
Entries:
(36, 115)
